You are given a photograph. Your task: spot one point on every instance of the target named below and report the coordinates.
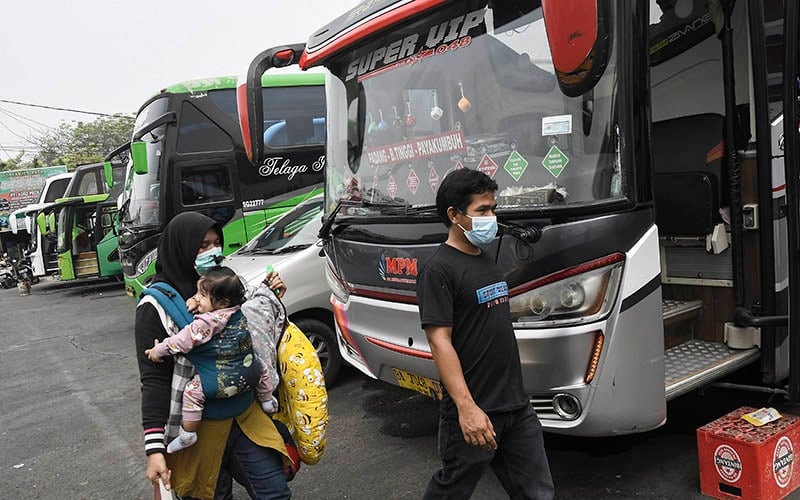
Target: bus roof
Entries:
(365, 19)
(229, 82)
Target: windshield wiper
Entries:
(275, 251)
(399, 207)
(325, 230)
(124, 210)
(290, 249)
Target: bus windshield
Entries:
(467, 87)
(144, 188)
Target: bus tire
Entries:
(323, 338)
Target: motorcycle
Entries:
(8, 276)
(24, 271)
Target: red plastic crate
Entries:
(741, 461)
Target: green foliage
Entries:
(18, 162)
(76, 143)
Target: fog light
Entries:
(567, 406)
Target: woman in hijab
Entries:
(248, 446)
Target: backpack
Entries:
(302, 394)
(171, 301)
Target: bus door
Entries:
(107, 246)
(204, 168)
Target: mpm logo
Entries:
(397, 268)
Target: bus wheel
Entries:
(323, 338)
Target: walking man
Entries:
(485, 416)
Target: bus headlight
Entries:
(580, 294)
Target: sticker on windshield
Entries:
(556, 125)
(419, 147)
(487, 165)
(515, 165)
(391, 188)
(555, 161)
(412, 182)
(433, 179)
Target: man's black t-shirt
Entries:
(467, 293)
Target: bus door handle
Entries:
(235, 245)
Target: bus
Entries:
(86, 222)
(188, 155)
(646, 157)
(41, 249)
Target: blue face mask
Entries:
(484, 229)
(208, 260)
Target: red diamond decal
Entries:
(487, 165)
(412, 182)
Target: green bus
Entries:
(188, 155)
(86, 227)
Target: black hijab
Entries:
(177, 250)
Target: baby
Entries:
(223, 350)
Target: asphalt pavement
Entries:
(70, 421)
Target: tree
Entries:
(19, 162)
(77, 143)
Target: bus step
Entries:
(696, 363)
(51, 265)
(86, 264)
(676, 310)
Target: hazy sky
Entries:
(109, 56)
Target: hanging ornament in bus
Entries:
(463, 103)
(372, 127)
(433, 176)
(487, 165)
(412, 181)
(436, 111)
(391, 187)
(410, 120)
(515, 165)
(397, 121)
(382, 123)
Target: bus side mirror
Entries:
(250, 100)
(109, 175)
(139, 156)
(580, 42)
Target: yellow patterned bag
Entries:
(302, 395)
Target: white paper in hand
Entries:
(162, 493)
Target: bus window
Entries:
(203, 184)
(199, 133)
(57, 189)
(294, 116)
(88, 184)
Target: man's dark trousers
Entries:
(519, 461)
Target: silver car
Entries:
(290, 245)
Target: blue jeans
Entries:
(258, 469)
(519, 462)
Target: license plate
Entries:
(423, 385)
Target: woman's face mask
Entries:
(208, 259)
(484, 229)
